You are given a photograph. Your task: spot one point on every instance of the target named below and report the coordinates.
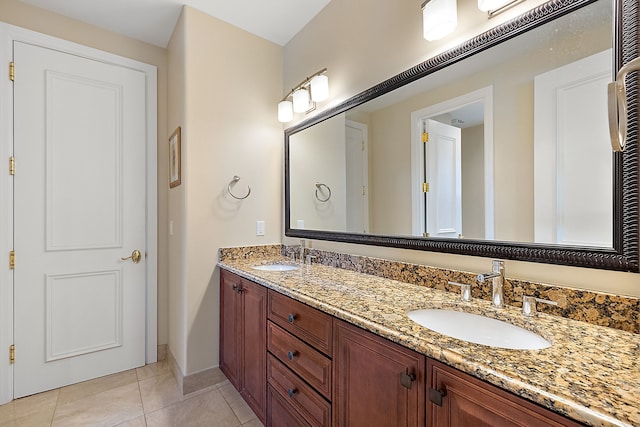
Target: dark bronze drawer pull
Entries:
(291, 392)
(406, 379)
(435, 396)
(291, 317)
(292, 354)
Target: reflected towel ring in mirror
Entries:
(235, 179)
(617, 105)
(318, 187)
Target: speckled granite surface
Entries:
(613, 311)
(590, 373)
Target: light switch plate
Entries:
(259, 228)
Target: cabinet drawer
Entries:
(304, 360)
(313, 408)
(310, 325)
(281, 413)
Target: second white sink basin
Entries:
(478, 329)
(275, 267)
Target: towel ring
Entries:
(617, 100)
(235, 179)
(318, 185)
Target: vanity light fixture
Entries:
(495, 7)
(439, 18)
(304, 96)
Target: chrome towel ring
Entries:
(318, 187)
(235, 179)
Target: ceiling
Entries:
(153, 21)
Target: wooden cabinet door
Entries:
(254, 344)
(458, 399)
(243, 329)
(230, 326)
(369, 372)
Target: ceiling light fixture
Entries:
(439, 18)
(304, 96)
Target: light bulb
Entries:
(285, 111)
(439, 18)
(319, 88)
(300, 100)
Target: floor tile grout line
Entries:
(144, 416)
(55, 408)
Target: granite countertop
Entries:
(590, 374)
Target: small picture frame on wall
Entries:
(175, 172)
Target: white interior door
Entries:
(571, 123)
(443, 173)
(357, 174)
(79, 199)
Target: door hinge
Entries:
(363, 190)
(362, 145)
(12, 260)
(425, 187)
(425, 137)
(12, 70)
(12, 165)
(12, 354)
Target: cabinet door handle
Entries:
(237, 289)
(435, 396)
(291, 392)
(291, 317)
(292, 354)
(406, 379)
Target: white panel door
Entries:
(572, 156)
(79, 141)
(444, 175)
(357, 177)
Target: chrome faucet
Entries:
(529, 305)
(497, 281)
(301, 251)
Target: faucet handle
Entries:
(529, 305)
(465, 290)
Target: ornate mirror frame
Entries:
(625, 252)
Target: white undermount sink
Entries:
(478, 329)
(275, 267)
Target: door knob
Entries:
(135, 256)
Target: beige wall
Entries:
(385, 39)
(226, 89)
(310, 163)
(177, 196)
(473, 217)
(20, 14)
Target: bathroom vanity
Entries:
(335, 347)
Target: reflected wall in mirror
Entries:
(509, 146)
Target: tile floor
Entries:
(147, 396)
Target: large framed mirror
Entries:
(498, 147)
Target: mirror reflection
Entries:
(510, 144)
